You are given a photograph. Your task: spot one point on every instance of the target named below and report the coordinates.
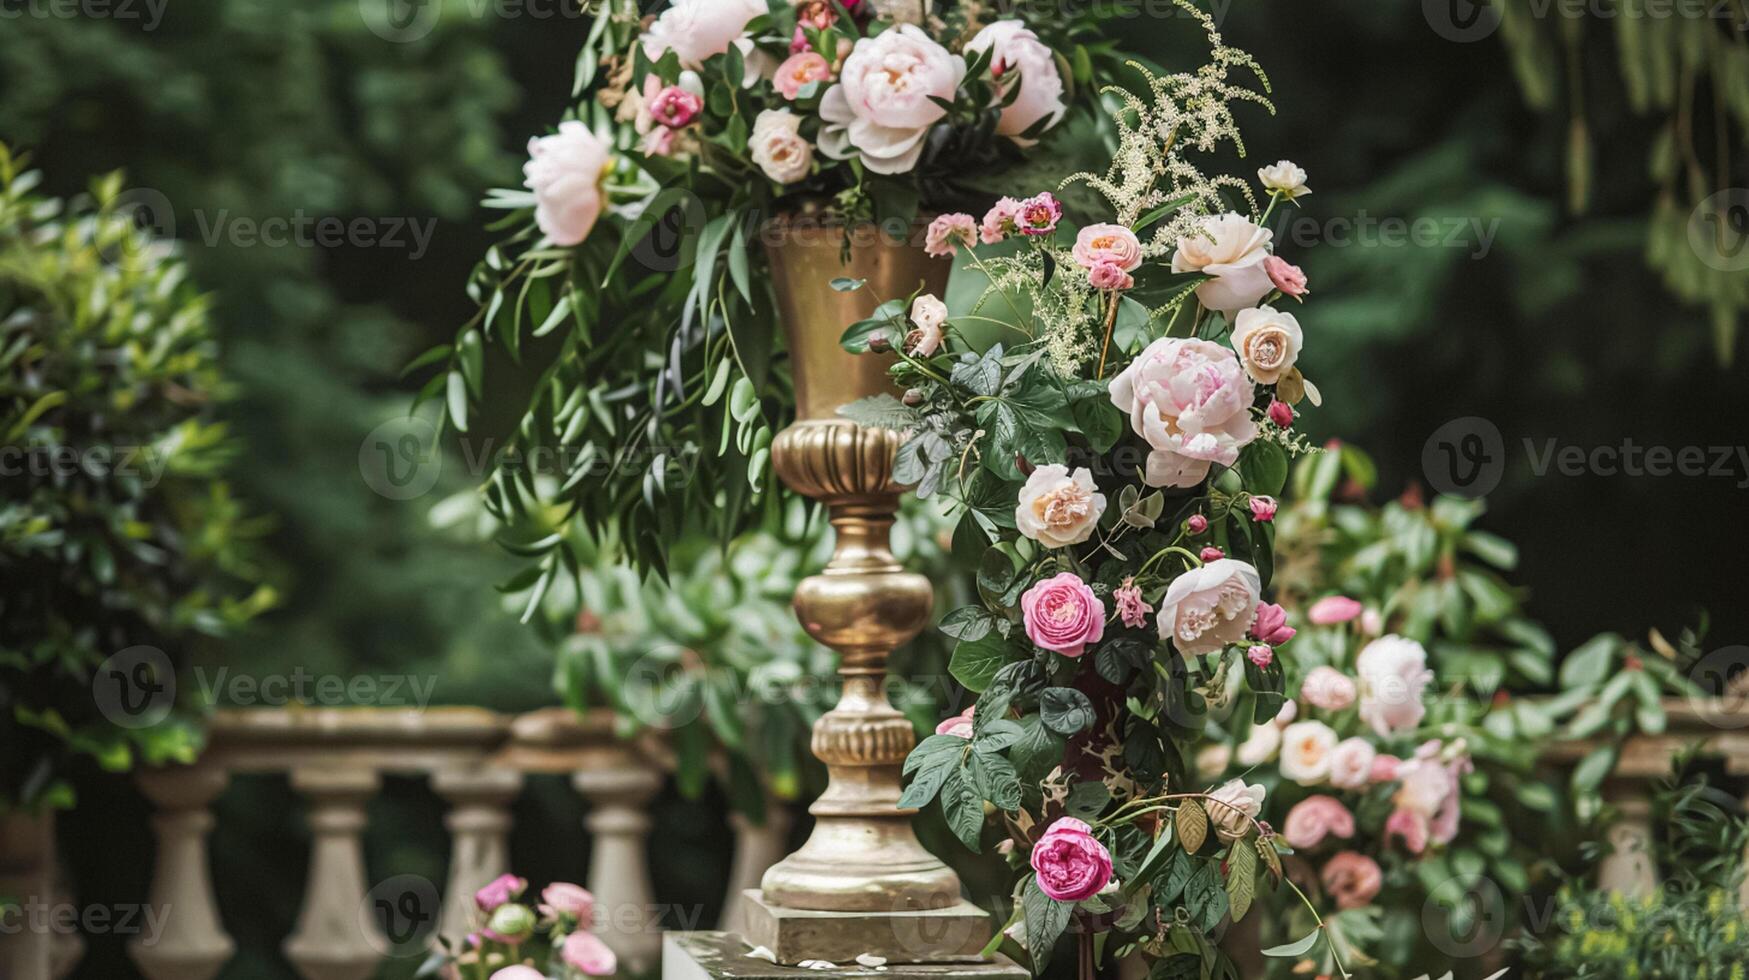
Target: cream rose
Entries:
(1232, 807)
(882, 106)
(1351, 763)
(1058, 509)
(1260, 746)
(1207, 608)
(1286, 179)
(1393, 674)
(778, 147)
(1268, 342)
(1306, 748)
(1191, 401)
(1017, 52)
(1231, 248)
(565, 172)
(697, 30)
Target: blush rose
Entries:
(1061, 613)
(1071, 863)
(1207, 608)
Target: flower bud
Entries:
(1196, 524)
(914, 397)
(512, 923)
(1212, 553)
(1281, 413)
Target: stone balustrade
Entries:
(335, 760)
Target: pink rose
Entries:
(1315, 818)
(1062, 614)
(1072, 865)
(1285, 276)
(1191, 401)
(563, 898)
(1328, 688)
(1108, 243)
(499, 891)
(1270, 625)
(519, 972)
(1262, 508)
(799, 70)
(1351, 763)
(675, 107)
(1020, 58)
(948, 232)
(697, 30)
(586, 952)
(1384, 769)
(1109, 275)
(1207, 608)
(1393, 674)
(1260, 655)
(1231, 249)
(1410, 826)
(1281, 413)
(1352, 879)
(565, 171)
(959, 726)
(1334, 609)
(883, 104)
(1000, 221)
(1038, 215)
(1132, 609)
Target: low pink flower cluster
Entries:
(567, 908)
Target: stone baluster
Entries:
(26, 843)
(1629, 868)
(479, 826)
(193, 944)
(336, 938)
(626, 916)
(758, 846)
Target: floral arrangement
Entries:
(631, 274)
(1113, 461)
(514, 941)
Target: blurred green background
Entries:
(1557, 327)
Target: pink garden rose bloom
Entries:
(1334, 609)
(565, 172)
(799, 70)
(1410, 826)
(1110, 275)
(1270, 625)
(564, 898)
(1285, 276)
(1262, 508)
(697, 30)
(1039, 214)
(1393, 674)
(1000, 221)
(1328, 688)
(1231, 248)
(1207, 608)
(1260, 655)
(1384, 768)
(1115, 244)
(1315, 818)
(1020, 58)
(675, 107)
(948, 232)
(498, 891)
(959, 726)
(1132, 609)
(1061, 613)
(584, 951)
(1072, 865)
(883, 106)
(1281, 413)
(1351, 763)
(1191, 401)
(1352, 879)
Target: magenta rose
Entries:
(1072, 865)
(499, 891)
(1063, 614)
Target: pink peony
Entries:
(1315, 818)
(564, 898)
(1352, 879)
(1334, 609)
(1072, 865)
(1328, 688)
(499, 891)
(1286, 277)
(1351, 763)
(565, 172)
(884, 103)
(1281, 413)
(1000, 221)
(1020, 58)
(697, 30)
(1260, 655)
(959, 726)
(949, 231)
(1270, 625)
(1209, 607)
(1262, 508)
(1062, 614)
(1039, 215)
(1410, 826)
(586, 952)
(1109, 275)
(1191, 401)
(1114, 244)
(1132, 609)
(799, 70)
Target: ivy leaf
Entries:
(1038, 750)
(1193, 826)
(1046, 918)
(1065, 710)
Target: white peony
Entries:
(882, 108)
(1393, 674)
(1231, 248)
(1018, 53)
(1285, 177)
(697, 30)
(1306, 748)
(565, 172)
(1207, 608)
(778, 147)
(1191, 401)
(1058, 509)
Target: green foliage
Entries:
(117, 529)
